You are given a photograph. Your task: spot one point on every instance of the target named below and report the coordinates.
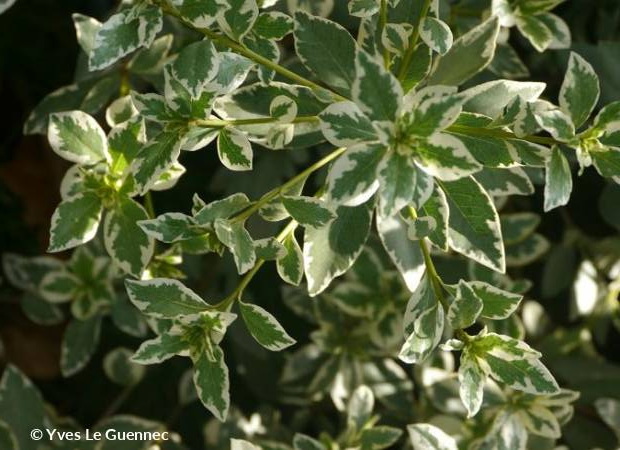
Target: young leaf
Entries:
(436, 34)
(428, 437)
(238, 17)
(327, 49)
(474, 228)
(308, 211)
(212, 383)
(558, 124)
(541, 421)
(75, 221)
(123, 33)
(469, 54)
(236, 238)
(375, 90)
(265, 328)
(330, 251)
(163, 298)
(580, 90)
(234, 149)
(352, 179)
(607, 161)
(558, 180)
(291, 267)
(465, 308)
(423, 323)
(343, 124)
(79, 344)
(130, 247)
(77, 137)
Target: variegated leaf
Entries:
(78, 138)
(474, 228)
(558, 180)
(75, 221)
(164, 298)
(343, 124)
(236, 238)
(465, 308)
(423, 323)
(580, 90)
(352, 179)
(265, 328)
(436, 34)
(212, 383)
(234, 149)
(238, 17)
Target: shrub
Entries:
(398, 159)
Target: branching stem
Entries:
(413, 42)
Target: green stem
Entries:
(413, 42)
(221, 123)
(238, 292)
(486, 132)
(382, 23)
(148, 205)
(244, 51)
(430, 267)
(290, 183)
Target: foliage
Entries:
(402, 244)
